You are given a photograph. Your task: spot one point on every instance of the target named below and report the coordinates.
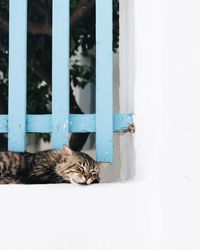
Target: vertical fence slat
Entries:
(104, 92)
(17, 75)
(60, 73)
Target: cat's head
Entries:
(78, 167)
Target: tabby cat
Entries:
(51, 166)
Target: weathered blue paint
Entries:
(122, 121)
(39, 123)
(60, 73)
(104, 87)
(77, 123)
(17, 75)
(82, 123)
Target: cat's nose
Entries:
(91, 180)
(95, 181)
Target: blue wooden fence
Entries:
(17, 123)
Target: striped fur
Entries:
(52, 166)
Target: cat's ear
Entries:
(66, 151)
(103, 164)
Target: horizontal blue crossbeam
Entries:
(77, 123)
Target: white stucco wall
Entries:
(159, 210)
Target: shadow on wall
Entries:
(126, 88)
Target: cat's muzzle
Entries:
(92, 182)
